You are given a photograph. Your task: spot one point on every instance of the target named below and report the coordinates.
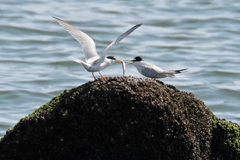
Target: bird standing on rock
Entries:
(153, 71)
(93, 63)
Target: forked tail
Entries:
(75, 60)
(181, 70)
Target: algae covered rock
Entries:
(122, 118)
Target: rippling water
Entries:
(203, 36)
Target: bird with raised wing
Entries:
(94, 63)
(153, 71)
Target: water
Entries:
(201, 35)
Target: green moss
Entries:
(44, 109)
(126, 117)
(231, 133)
(47, 107)
(225, 138)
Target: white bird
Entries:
(153, 71)
(93, 63)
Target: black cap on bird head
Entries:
(111, 57)
(115, 59)
(138, 58)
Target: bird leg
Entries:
(101, 75)
(94, 76)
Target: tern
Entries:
(153, 71)
(93, 63)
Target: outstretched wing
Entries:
(104, 54)
(86, 42)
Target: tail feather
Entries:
(75, 59)
(181, 70)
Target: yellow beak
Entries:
(130, 61)
(118, 60)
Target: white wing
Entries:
(86, 42)
(150, 70)
(104, 54)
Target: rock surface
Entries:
(122, 118)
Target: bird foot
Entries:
(102, 76)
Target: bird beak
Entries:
(118, 60)
(131, 61)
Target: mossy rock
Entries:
(122, 118)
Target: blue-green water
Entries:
(203, 36)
